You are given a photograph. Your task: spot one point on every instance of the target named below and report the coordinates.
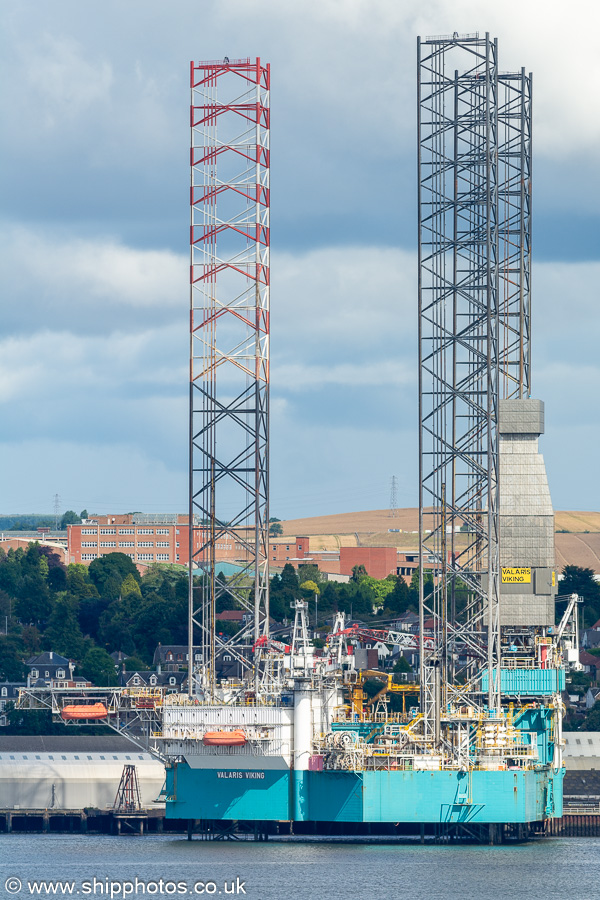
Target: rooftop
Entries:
(41, 743)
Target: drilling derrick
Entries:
(229, 354)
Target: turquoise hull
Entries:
(507, 796)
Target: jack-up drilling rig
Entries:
(293, 737)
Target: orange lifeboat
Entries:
(224, 739)
(84, 711)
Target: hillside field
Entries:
(577, 538)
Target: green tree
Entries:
(399, 600)
(309, 588)
(115, 566)
(351, 598)
(414, 586)
(226, 627)
(79, 582)
(135, 664)
(289, 578)
(11, 575)
(592, 720)
(416, 580)
(11, 660)
(39, 721)
(91, 610)
(34, 604)
(83, 514)
(57, 579)
(28, 721)
(98, 667)
(578, 580)
(130, 587)
(379, 589)
(6, 605)
(55, 560)
(116, 625)
(275, 529)
(63, 633)
(69, 518)
(310, 591)
(358, 572)
(43, 566)
(402, 665)
(30, 568)
(31, 639)
(111, 589)
(224, 602)
(284, 590)
(279, 604)
(309, 572)
(152, 624)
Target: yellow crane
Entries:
(358, 698)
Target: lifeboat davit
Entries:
(84, 711)
(224, 739)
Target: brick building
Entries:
(295, 550)
(146, 539)
(155, 538)
(14, 542)
(378, 561)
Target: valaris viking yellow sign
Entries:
(516, 576)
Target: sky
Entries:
(94, 229)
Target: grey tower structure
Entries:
(528, 582)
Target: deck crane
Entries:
(402, 639)
(358, 695)
(270, 645)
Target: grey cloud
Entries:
(121, 477)
(96, 128)
(94, 324)
(88, 286)
(343, 349)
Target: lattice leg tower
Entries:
(229, 352)
(458, 361)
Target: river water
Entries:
(165, 865)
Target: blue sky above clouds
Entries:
(94, 230)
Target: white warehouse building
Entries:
(73, 772)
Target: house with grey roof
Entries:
(49, 667)
(174, 681)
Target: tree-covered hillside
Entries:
(87, 612)
(78, 611)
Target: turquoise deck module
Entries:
(528, 682)
(240, 787)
